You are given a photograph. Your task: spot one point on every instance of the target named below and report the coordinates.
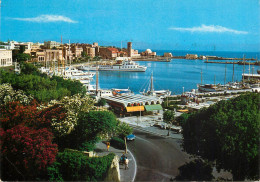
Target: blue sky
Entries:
(202, 25)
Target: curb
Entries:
(151, 132)
(135, 165)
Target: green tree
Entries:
(168, 117)
(123, 130)
(90, 126)
(227, 133)
(21, 57)
(101, 102)
(196, 170)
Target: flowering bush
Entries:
(29, 150)
(8, 94)
(63, 124)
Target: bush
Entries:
(117, 143)
(75, 166)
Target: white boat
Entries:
(158, 93)
(122, 64)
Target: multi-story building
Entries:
(51, 44)
(90, 51)
(5, 57)
(76, 50)
(52, 55)
(108, 53)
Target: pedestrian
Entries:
(126, 163)
(108, 145)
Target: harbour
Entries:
(174, 75)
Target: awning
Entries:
(135, 108)
(153, 107)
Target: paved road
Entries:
(157, 158)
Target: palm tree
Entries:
(124, 130)
(168, 117)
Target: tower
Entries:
(129, 49)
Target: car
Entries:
(130, 137)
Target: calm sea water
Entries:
(174, 75)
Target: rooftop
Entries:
(130, 99)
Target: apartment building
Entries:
(5, 57)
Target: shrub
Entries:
(75, 166)
(117, 143)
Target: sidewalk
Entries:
(147, 124)
(125, 175)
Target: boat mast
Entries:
(249, 70)
(69, 53)
(97, 81)
(225, 74)
(201, 76)
(233, 71)
(243, 68)
(151, 82)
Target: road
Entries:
(158, 158)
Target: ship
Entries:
(122, 64)
(158, 93)
(210, 88)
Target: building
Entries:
(5, 58)
(52, 55)
(167, 54)
(130, 104)
(76, 50)
(108, 53)
(90, 51)
(129, 49)
(148, 53)
(51, 44)
(191, 56)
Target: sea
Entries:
(178, 74)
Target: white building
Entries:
(5, 57)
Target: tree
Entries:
(123, 130)
(101, 102)
(84, 54)
(168, 117)
(90, 126)
(21, 57)
(26, 153)
(26, 141)
(196, 170)
(227, 133)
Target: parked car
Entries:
(130, 137)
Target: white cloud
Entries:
(47, 18)
(208, 28)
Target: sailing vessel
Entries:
(158, 93)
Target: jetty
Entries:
(257, 63)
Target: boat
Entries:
(122, 64)
(158, 93)
(210, 88)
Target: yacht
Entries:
(158, 93)
(122, 64)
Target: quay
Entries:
(257, 63)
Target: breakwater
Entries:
(239, 62)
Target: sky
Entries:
(202, 25)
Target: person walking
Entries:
(126, 163)
(108, 145)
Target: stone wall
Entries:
(113, 172)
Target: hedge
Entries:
(76, 166)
